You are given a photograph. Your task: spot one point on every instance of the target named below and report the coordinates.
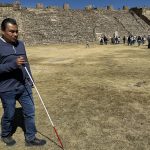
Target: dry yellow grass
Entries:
(98, 97)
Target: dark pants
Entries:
(24, 96)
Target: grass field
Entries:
(98, 97)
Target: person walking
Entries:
(148, 39)
(15, 85)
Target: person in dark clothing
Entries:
(15, 85)
(139, 40)
(105, 40)
(148, 39)
(124, 40)
(129, 40)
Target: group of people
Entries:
(103, 40)
(130, 40)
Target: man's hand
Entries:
(20, 61)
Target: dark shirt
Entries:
(11, 75)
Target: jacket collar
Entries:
(3, 39)
(14, 44)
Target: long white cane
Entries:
(44, 106)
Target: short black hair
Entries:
(6, 21)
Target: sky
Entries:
(80, 4)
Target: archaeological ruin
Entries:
(42, 25)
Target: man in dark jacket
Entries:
(15, 85)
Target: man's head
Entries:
(9, 30)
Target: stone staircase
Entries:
(53, 25)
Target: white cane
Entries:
(44, 106)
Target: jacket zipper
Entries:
(14, 49)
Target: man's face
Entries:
(11, 33)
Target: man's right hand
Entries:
(20, 61)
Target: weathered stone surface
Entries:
(41, 26)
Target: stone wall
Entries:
(41, 26)
(143, 13)
(146, 12)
